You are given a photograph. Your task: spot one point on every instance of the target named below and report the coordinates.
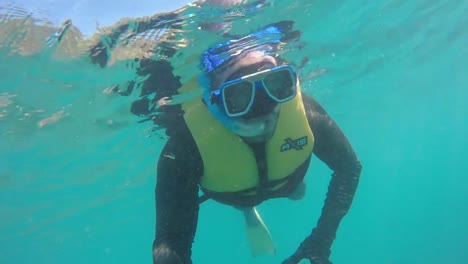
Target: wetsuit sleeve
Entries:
(332, 147)
(177, 206)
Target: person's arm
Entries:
(176, 201)
(332, 147)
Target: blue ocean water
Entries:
(80, 189)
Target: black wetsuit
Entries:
(180, 168)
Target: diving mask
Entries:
(237, 96)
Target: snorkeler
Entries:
(248, 138)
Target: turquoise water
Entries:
(80, 190)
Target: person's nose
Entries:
(262, 104)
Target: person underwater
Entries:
(249, 137)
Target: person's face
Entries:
(263, 114)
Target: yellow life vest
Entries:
(229, 163)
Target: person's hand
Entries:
(311, 249)
(163, 254)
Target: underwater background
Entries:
(77, 169)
